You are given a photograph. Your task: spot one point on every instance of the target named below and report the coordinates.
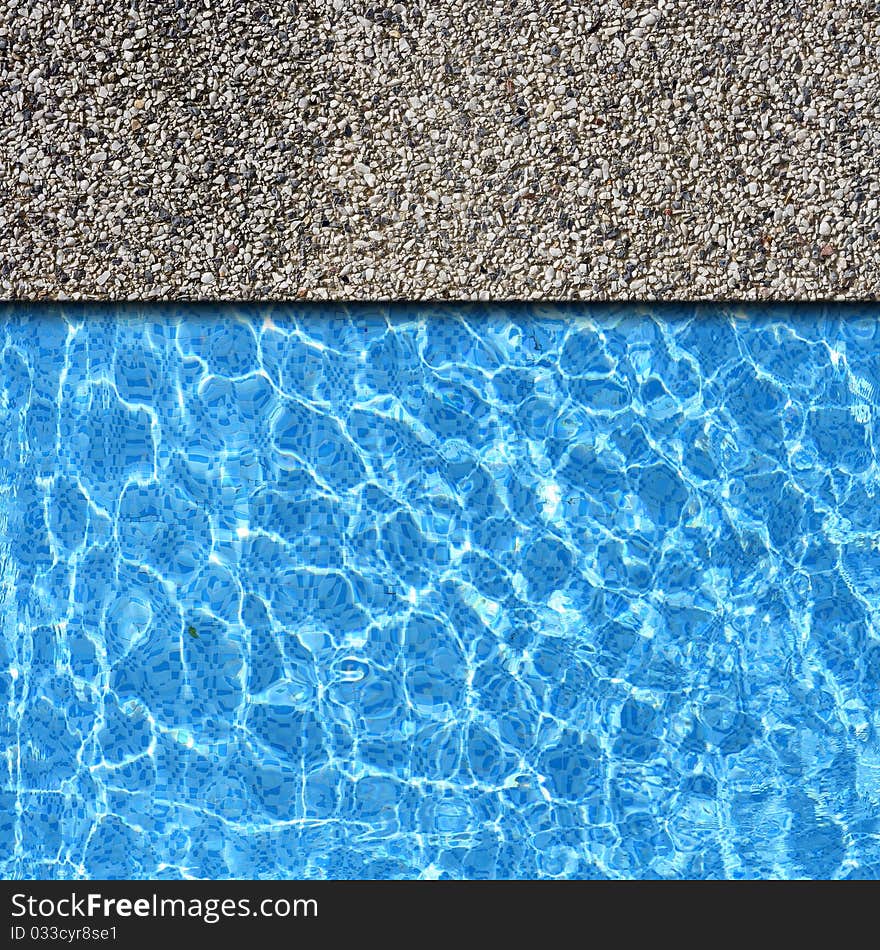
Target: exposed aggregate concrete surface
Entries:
(633, 149)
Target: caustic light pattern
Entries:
(467, 593)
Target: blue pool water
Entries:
(462, 592)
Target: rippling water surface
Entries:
(443, 592)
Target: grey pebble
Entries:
(665, 149)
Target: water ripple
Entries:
(439, 591)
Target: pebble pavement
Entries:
(444, 149)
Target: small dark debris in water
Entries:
(191, 630)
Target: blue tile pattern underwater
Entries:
(464, 592)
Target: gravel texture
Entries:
(439, 149)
